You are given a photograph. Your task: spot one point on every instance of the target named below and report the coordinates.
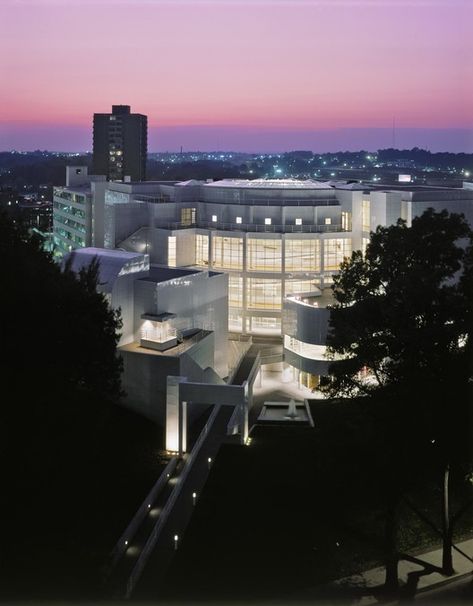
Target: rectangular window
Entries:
(302, 255)
(188, 216)
(172, 251)
(235, 291)
(238, 220)
(227, 252)
(235, 321)
(201, 250)
(328, 221)
(346, 221)
(335, 251)
(214, 218)
(298, 221)
(263, 293)
(267, 221)
(264, 255)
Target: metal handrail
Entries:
(252, 227)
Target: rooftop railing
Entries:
(252, 227)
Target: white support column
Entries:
(182, 427)
(173, 415)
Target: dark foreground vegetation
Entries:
(297, 509)
(74, 466)
(403, 328)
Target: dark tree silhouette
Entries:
(402, 330)
(60, 380)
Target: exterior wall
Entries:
(144, 380)
(305, 325)
(145, 377)
(198, 300)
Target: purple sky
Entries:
(264, 75)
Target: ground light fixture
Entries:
(194, 497)
(176, 541)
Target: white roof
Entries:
(112, 263)
(270, 184)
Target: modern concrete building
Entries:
(174, 324)
(78, 211)
(120, 142)
(279, 241)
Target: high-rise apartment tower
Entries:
(120, 144)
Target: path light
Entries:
(209, 462)
(176, 540)
(194, 497)
(126, 543)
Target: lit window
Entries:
(172, 251)
(298, 221)
(238, 219)
(227, 252)
(188, 216)
(267, 221)
(214, 218)
(328, 221)
(264, 255)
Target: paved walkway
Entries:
(149, 585)
(416, 574)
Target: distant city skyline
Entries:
(248, 76)
(243, 139)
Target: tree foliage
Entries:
(400, 311)
(401, 329)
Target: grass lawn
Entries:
(270, 525)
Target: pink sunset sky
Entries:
(255, 75)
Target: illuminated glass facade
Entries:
(263, 270)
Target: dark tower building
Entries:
(120, 144)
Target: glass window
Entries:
(188, 216)
(263, 293)
(172, 251)
(235, 291)
(227, 252)
(235, 321)
(328, 221)
(335, 250)
(269, 325)
(214, 218)
(267, 221)
(264, 255)
(293, 287)
(238, 220)
(298, 221)
(302, 255)
(346, 221)
(201, 250)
